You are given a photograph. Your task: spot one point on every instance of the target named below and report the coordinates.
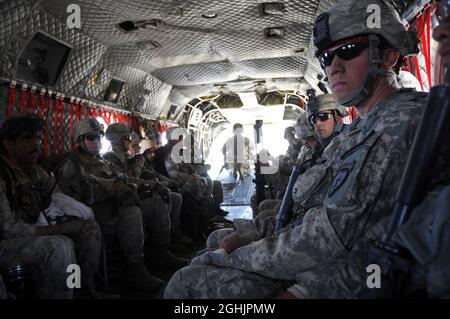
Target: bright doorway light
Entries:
(106, 145)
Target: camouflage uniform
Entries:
(155, 212)
(90, 179)
(346, 277)
(364, 171)
(47, 256)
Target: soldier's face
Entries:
(325, 128)
(442, 34)
(347, 76)
(92, 143)
(151, 151)
(25, 149)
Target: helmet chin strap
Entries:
(375, 71)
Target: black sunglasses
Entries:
(93, 137)
(322, 116)
(345, 52)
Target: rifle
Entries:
(284, 211)
(395, 262)
(286, 202)
(259, 178)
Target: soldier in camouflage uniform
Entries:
(426, 235)
(25, 191)
(237, 152)
(156, 215)
(135, 144)
(100, 185)
(325, 116)
(358, 180)
(149, 172)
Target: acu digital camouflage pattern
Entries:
(426, 235)
(366, 170)
(347, 19)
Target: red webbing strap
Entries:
(71, 112)
(12, 99)
(32, 103)
(81, 111)
(23, 100)
(55, 123)
(417, 69)
(108, 117)
(428, 41)
(61, 126)
(424, 43)
(77, 111)
(42, 103)
(91, 111)
(47, 108)
(408, 66)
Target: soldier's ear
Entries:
(389, 58)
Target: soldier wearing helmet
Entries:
(135, 144)
(325, 116)
(156, 209)
(353, 186)
(85, 176)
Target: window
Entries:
(43, 60)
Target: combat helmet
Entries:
(324, 102)
(302, 128)
(375, 19)
(85, 126)
(135, 140)
(116, 131)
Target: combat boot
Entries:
(163, 258)
(179, 238)
(137, 276)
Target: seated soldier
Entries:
(357, 181)
(93, 181)
(26, 191)
(149, 172)
(135, 145)
(325, 116)
(264, 223)
(425, 235)
(156, 202)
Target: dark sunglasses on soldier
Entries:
(127, 138)
(93, 137)
(346, 52)
(322, 116)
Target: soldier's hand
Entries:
(126, 195)
(231, 242)
(164, 192)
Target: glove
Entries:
(126, 195)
